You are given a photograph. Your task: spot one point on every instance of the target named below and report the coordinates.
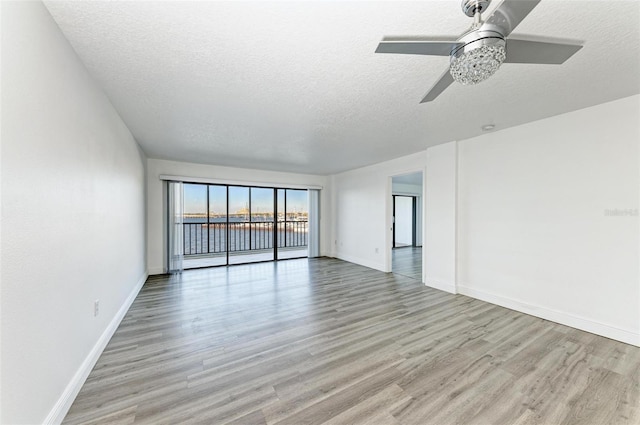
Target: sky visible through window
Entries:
(195, 199)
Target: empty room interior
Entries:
(320, 212)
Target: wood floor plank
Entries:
(314, 385)
(327, 408)
(373, 409)
(120, 417)
(322, 341)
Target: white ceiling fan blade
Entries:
(510, 13)
(543, 52)
(434, 46)
(445, 81)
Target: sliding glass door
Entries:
(252, 226)
(195, 233)
(230, 224)
(293, 223)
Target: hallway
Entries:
(407, 261)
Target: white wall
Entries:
(72, 218)
(533, 228)
(362, 211)
(156, 215)
(439, 253)
(519, 217)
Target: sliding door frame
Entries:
(227, 222)
(414, 219)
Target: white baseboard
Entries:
(361, 261)
(441, 285)
(624, 335)
(60, 409)
(156, 271)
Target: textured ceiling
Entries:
(296, 86)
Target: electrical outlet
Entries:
(376, 250)
(96, 307)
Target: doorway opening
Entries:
(406, 252)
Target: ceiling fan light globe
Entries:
(476, 65)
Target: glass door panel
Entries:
(217, 225)
(295, 224)
(239, 224)
(261, 234)
(196, 241)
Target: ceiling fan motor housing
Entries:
(471, 7)
(476, 39)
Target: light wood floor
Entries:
(322, 341)
(407, 261)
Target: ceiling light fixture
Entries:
(488, 127)
(478, 60)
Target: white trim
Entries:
(441, 285)
(423, 227)
(388, 221)
(401, 193)
(624, 335)
(60, 409)
(456, 218)
(236, 182)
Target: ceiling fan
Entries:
(478, 53)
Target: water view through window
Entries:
(225, 224)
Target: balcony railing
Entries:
(200, 238)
